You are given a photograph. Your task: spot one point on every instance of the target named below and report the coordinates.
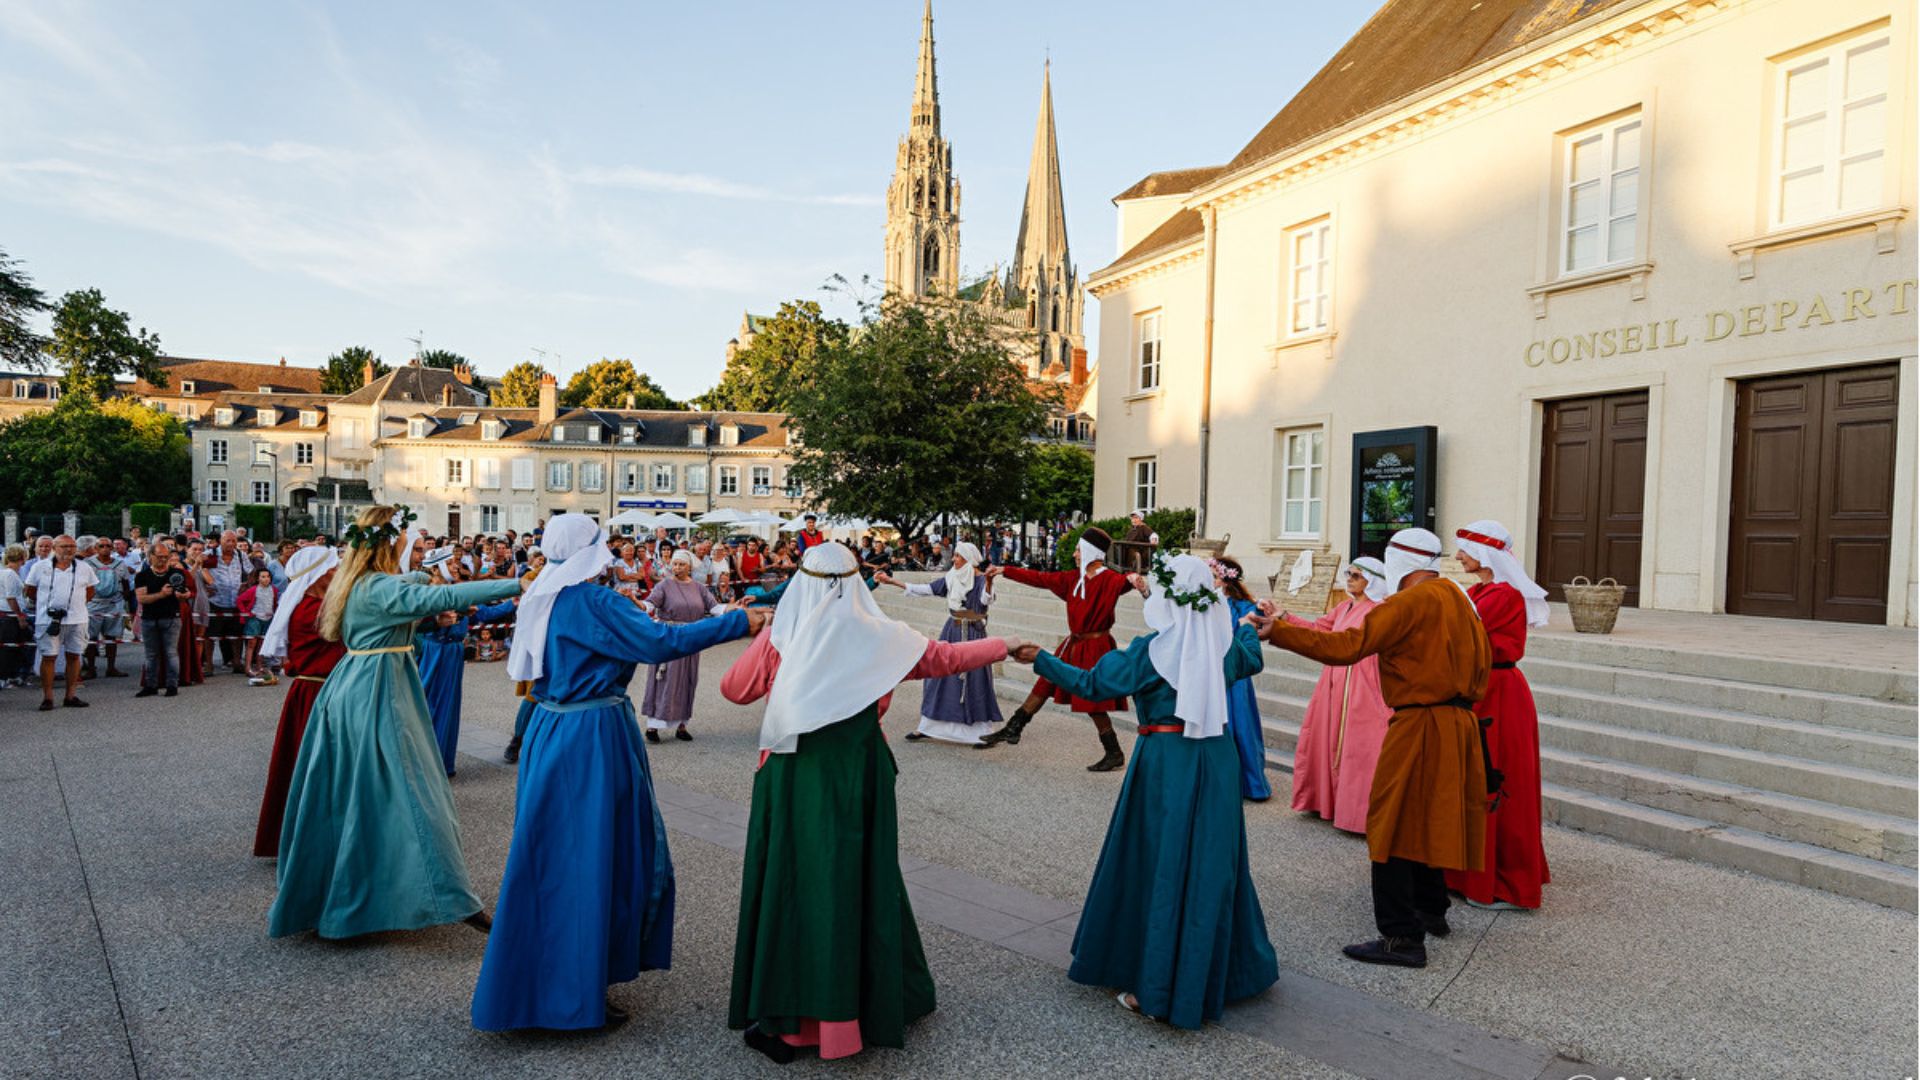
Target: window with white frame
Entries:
(262, 452)
(417, 429)
(762, 478)
(262, 492)
(696, 479)
(309, 418)
(795, 489)
(223, 417)
(216, 451)
(489, 518)
(663, 478)
(697, 435)
(486, 472)
(1830, 130)
(1146, 334)
(303, 453)
(456, 472)
(593, 476)
(1146, 483)
(1600, 206)
(1300, 482)
(627, 477)
(216, 491)
(729, 434)
(729, 480)
(522, 517)
(523, 474)
(1310, 277)
(559, 476)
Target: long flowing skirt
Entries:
(442, 666)
(587, 897)
(670, 690)
(286, 751)
(1243, 720)
(192, 633)
(370, 842)
(960, 708)
(826, 933)
(1516, 859)
(1339, 747)
(1172, 915)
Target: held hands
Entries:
(1139, 582)
(885, 578)
(1268, 609)
(1020, 651)
(757, 619)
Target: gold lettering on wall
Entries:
(1748, 320)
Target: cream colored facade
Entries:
(1437, 231)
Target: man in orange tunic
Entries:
(1428, 809)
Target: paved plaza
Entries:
(136, 946)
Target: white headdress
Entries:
(307, 566)
(1409, 551)
(960, 578)
(1491, 545)
(576, 551)
(1189, 648)
(838, 652)
(1376, 575)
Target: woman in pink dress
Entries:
(1347, 718)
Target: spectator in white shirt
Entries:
(15, 626)
(60, 586)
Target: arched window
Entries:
(930, 258)
(933, 194)
(919, 192)
(1056, 311)
(1031, 306)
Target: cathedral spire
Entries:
(926, 87)
(1042, 240)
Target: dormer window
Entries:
(223, 417)
(467, 418)
(186, 386)
(593, 433)
(697, 435)
(266, 389)
(266, 417)
(309, 418)
(559, 433)
(729, 435)
(417, 428)
(492, 429)
(628, 432)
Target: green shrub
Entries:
(256, 519)
(1174, 526)
(152, 518)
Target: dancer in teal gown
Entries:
(369, 841)
(1172, 919)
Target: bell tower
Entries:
(923, 202)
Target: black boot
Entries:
(1114, 759)
(512, 753)
(769, 1044)
(1397, 952)
(1010, 734)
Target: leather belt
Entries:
(966, 616)
(1089, 636)
(1505, 665)
(377, 652)
(310, 678)
(1162, 729)
(1450, 703)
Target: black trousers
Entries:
(1402, 891)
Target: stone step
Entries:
(1874, 684)
(1833, 710)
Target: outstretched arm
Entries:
(1384, 627)
(751, 677)
(624, 632)
(1116, 675)
(944, 658)
(404, 600)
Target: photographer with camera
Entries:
(159, 586)
(60, 588)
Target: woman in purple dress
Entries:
(958, 708)
(670, 686)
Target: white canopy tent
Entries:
(638, 519)
(722, 516)
(670, 521)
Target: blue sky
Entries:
(262, 180)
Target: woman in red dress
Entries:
(295, 636)
(193, 623)
(1508, 602)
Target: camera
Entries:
(178, 580)
(55, 617)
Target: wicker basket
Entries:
(1594, 607)
(1211, 549)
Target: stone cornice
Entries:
(1492, 83)
(1153, 263)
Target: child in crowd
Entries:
(256, 603)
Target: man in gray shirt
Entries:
(229, 571)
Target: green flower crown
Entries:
(359, 536)
(1197, 599)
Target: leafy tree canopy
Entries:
(519, 388)
(606, 384)
(346, 370)
(1059, 483)
(57, 459)
(96, 344)
(762, 375)
(444, 359)
(920, 413)
(20, 347)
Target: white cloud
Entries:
(643, 179)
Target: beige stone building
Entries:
(1644, 267)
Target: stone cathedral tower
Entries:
(923, 202)
(1042, 278)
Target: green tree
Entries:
(58, 459)
(444, 359)
(519, 388)
(761, 376)
(346, 370)
(20, 347)
(1059, 483)
(606, 384)
(920, 413)
(96, 344)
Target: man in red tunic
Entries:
(1091, 593)
(309, 658)
(808, 537)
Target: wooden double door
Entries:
(1811, 534)
(1593, 486)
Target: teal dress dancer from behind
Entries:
(1171, 916)
(369, 842)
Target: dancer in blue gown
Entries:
(1172, 919)
(442, 645)
(587, 898)
(1243, 708)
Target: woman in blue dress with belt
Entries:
(1172, 919)
(1243, 707)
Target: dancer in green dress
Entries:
(369, 841)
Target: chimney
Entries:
(283, 361)
(1079, 377)
(549, 398)
(632, 400)
(464, 373)
(446, 394)
(366, 374)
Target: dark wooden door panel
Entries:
(1855, 506)
(1593, 476)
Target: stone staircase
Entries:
(1794, 770)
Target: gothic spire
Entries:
(1043, 219)
(926, 88)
